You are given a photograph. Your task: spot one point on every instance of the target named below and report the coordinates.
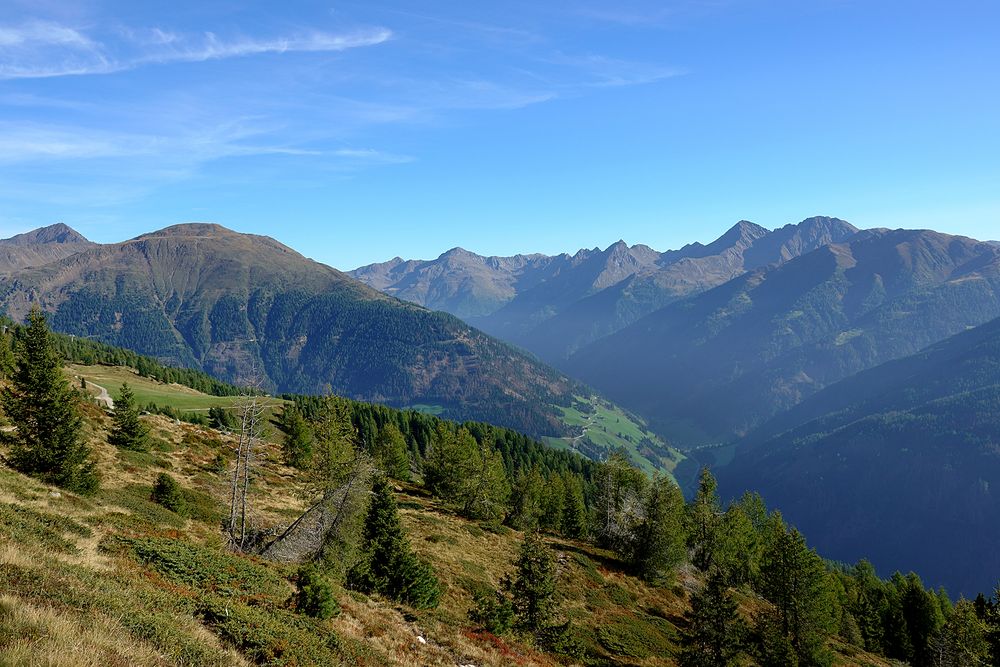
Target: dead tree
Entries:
(250, 407)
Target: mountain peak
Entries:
(192, 229)
(833, 225)
(57, 233)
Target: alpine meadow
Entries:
(641, 333)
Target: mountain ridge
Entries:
(735, 355)
(553, 305)
(203, 296)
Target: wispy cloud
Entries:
(44, 50)
(603, 71)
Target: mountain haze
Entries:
(555, 305)
(234, 305)
(712, 367)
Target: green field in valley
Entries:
(601, 427)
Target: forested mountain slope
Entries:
(235, 305)
(901, 462)
(714, 366)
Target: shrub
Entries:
(314, 596)
(168, 493)
(494, 612)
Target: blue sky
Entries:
(357, 131)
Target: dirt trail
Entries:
(103, 396)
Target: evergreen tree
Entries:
(714, 635)
(388, 565)
(390, 452)
(532, 589)
(553, 503)
(40, 403)
(738, 547)
(660, 541)
(704, 520)
(526, 499)
(314, 594)
(168, 493)
(7, 363)
(922, 613)
(297, 444)
(127, 430)
(485, 491)
(574, 508)
(448, 460)
(795, 580)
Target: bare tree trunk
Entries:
(251, 409)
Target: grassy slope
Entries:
(118, 580)
(147, 390)
(608, 427)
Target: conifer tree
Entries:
(704, 519)
(297, 444)
(127, 430)
(532, 589)
(47, 442)
(715, 631)
(7, 363)
(553, 503)
(660, 541)
(575, 518)
(526, 502)
(390, 452)
(618, 507)
(795, 580)
(388, 565)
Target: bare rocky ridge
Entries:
(41, 246)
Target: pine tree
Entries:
(962, 641)
(7, 363)
(297, 444)
(447, 462)
(532, 589)
(575, 518)
(660, 542)
(704, 520)
(553, 503)
(526, 499)
(40, 403)
(715, 631)
(485, 491)
(795, 580)
(127, 430)
(387, 565)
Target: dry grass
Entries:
(83, 609)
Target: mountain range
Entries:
(710, 368)
(240, 306)
(851, 375)
(554, 305)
